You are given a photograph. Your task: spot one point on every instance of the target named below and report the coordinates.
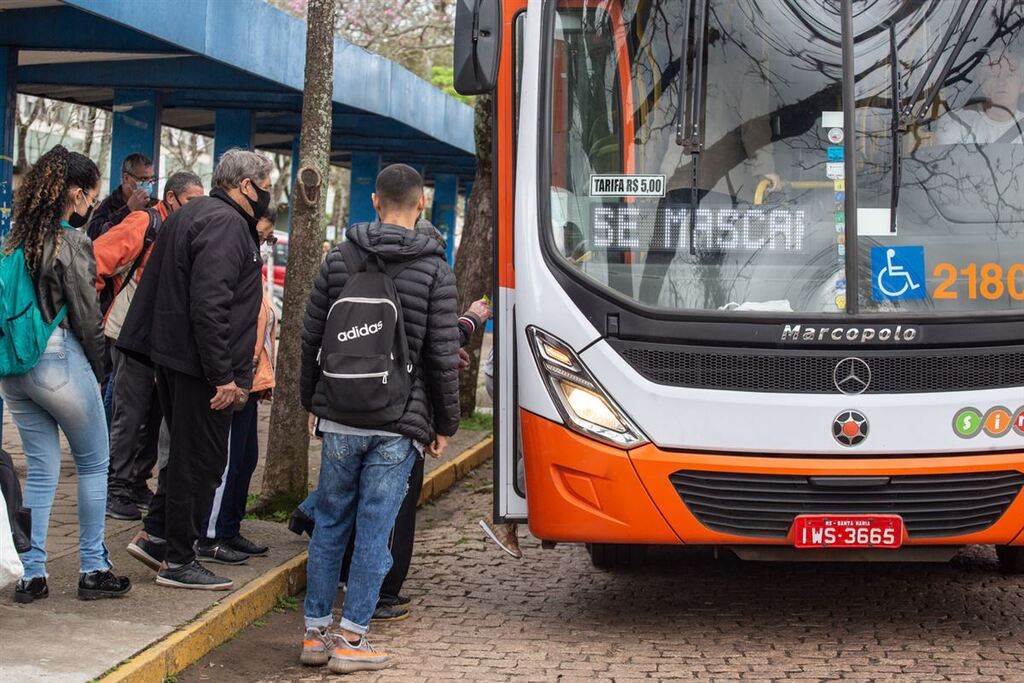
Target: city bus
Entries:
(759, 273)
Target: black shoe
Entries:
(122, 507)
(142, 497)
(400, 600)
(300, 523)
(31, 590)
(193, 575)
(148, 552)
(102, 584)
(389, 613)
(219, 552)
(244, 545)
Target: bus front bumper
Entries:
(580, 490)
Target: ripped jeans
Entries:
(364, 477)
(61, 393)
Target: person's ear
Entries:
(421, 204)
(376, 203)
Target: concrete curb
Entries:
(220, 623)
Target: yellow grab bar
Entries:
(762, 187)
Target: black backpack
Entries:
(108, 294)
(20, 517)
(366, 373)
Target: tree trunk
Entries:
(474, 261)
(90, 130)
(285, 475)
(103, 158)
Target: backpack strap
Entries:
(154, 225)
(355, 258)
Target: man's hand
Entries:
(138, 201)
(312, 424)
(774, 182)
(436, 449)
(225, 396)
(463, 359)
(481, 310)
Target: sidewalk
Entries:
(65, 639)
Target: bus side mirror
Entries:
(477, 45)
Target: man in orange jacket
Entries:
(121, 254)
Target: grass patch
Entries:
(286, 603)
(478, 422)
(259, 623)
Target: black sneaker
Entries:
(300, 523)
(121, 507)
(193, 575)
(31, 590)
(102, 584)
(219, 552)
(244, 545)
(142, 497)
(389, 613)
(401, 600)
(147, 551)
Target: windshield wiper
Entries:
(689, 118)
(907, 115)
(897, 129)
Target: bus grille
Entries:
(764, 506)
(809, 372)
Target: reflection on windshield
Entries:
(757, 219)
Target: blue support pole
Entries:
(446, 196)
(136, 130)
(232, 128)
(295, 174)
(8, 101)
(365, 167)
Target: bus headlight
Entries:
(584, 405)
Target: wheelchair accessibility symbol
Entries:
(897, 273)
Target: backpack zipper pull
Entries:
(385, 380)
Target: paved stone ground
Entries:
(477, 615)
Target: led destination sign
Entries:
(629, 227)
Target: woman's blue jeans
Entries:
(61, 392)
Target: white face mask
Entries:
(265, 251)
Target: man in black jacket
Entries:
(364, 472)
(193, 317)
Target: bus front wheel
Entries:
(1011, 559)
(616, 555)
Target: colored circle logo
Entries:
(967, 423)
(850, 428)
(1018, 422)
(998, 421)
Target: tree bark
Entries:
(285, 474)
(474, 261)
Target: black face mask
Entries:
(77, 220)
(259, 208)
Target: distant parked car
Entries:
(280, 259)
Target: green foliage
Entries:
(286, 603)
(444, 78)
(478, 422)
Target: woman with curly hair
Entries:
(62, 390)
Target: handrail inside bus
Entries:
(762, 187)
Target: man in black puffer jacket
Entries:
(364, 472)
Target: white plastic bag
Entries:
(11, 568)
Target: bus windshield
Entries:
(744, 207)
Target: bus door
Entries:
(509, 486)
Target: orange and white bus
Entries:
(759, 273)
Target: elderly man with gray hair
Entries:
(193, 318)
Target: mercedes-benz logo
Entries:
(852, 376)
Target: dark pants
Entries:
(401, 541)
(198, 454)
(135, 430)
(224, 519)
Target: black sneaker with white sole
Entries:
(220, 552)
(244, 545)
(102, 584)
(148, 551)
(193, 575)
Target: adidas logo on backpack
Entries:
(364, 355)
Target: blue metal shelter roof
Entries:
(205, 55)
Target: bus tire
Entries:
(616, 555)
(1011, 559)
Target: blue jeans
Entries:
(364, 477)
(61, 392)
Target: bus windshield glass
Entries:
(744, 206)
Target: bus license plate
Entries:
(848, 531)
